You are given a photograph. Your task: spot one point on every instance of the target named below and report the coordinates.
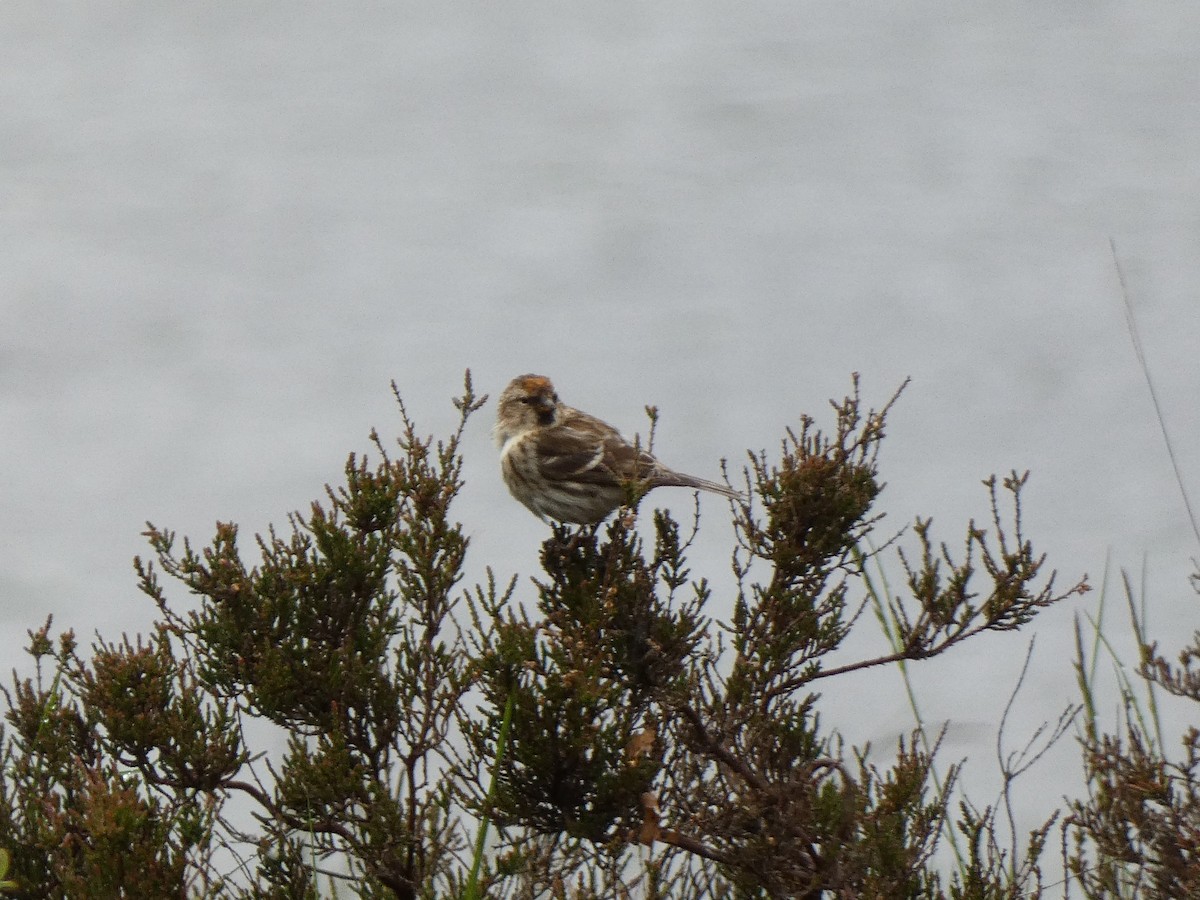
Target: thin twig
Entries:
(720, 752)
(691, 845)
(1141, 356)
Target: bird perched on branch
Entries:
(570, 466)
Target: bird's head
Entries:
(528, 402)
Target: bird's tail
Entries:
(678, 479)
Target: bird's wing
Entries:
(582, 448)
(568, 454)
(626, 461)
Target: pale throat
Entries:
(507, 440)
(506, 437)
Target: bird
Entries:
(570, 466)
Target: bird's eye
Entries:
(529, 400)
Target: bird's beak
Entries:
(546, 402)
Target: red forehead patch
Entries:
(535, 383)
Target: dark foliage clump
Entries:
(615, 739)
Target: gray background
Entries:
(225, 227)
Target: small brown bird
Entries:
(570, 466)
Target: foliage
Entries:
(618, 739)
(1137, 834)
